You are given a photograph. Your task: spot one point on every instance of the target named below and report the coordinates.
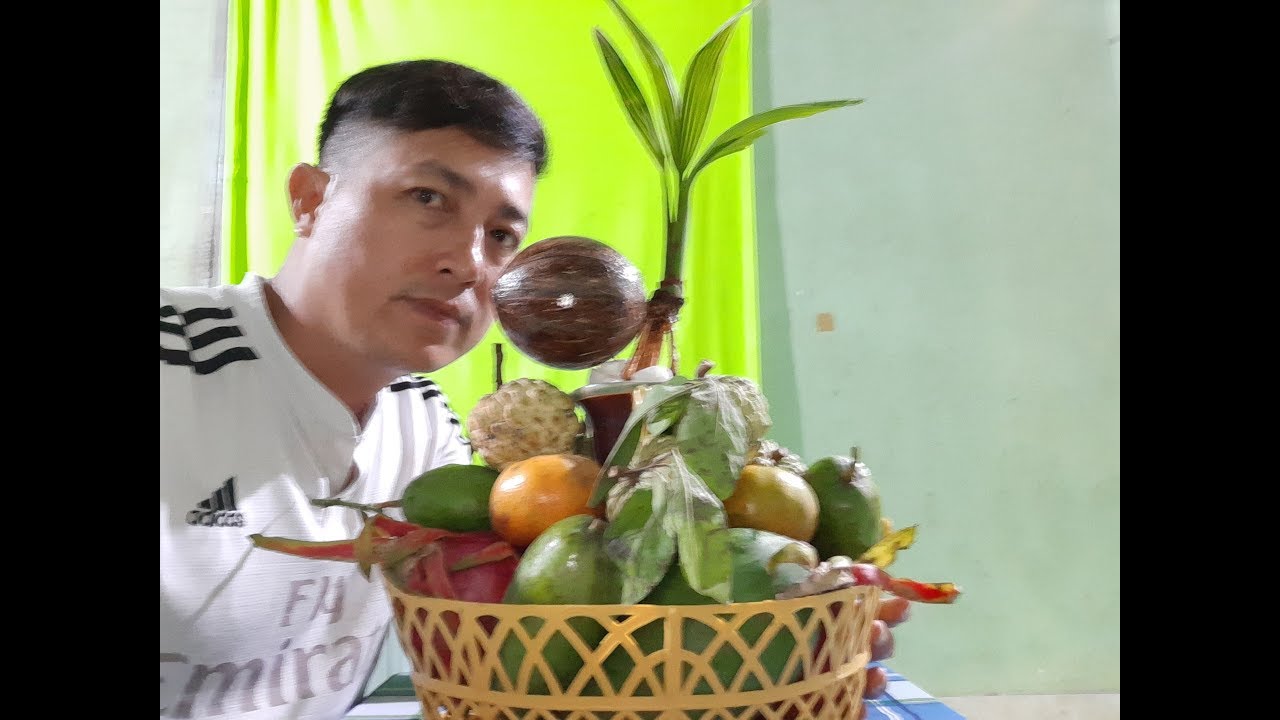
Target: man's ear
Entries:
(307, 184)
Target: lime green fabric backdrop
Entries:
(286, 58)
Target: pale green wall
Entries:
(192, 58)
(962, 227)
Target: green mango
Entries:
(755, 554)
(450, 497)
(848, 506)
(566, 565)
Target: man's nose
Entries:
(464, 256)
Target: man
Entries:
(276, 392)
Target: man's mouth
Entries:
(435, 310)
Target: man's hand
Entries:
(893, 610)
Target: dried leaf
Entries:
(883, 553)
(364, 548)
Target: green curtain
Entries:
(286, 58)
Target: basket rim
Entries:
(852, 592)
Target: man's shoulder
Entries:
(202, 329)
(188, 298)
(418, 389)
(425, 396)
(422, 397)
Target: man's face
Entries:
(409, 236)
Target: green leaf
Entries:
(786, 575)
(697, 520)
(713, 437)
(659, 72)
(743, 133)
(664, 417)
(633, 101)
(656, 398)
(720, 149)
(637, 540)
(701, 80)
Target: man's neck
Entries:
(355, 386)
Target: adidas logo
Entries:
(219, 510)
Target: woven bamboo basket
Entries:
(770, 660)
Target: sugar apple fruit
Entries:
(523, 418)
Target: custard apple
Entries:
(523, 418)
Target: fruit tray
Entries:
(775, 659)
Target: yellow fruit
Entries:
(771, 498)
(531, 495)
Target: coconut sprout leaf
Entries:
(701, 79)
(742, 134)
(664, 82)
(637, 540)
(721, 149)
(713, 438)
(657, 398)
(668, 93)
(633, 101)
(697, 520)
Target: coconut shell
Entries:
(570, 302)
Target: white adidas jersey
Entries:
(247, 438)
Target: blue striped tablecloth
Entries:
(903, 700)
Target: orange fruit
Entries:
(533, 494)
(774, 499)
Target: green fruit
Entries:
(754, 554)
(848, 506)
(566, 565)
(450, 497)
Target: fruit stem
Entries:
(663, 309)
(677, 229)
(497, 366)
(375, 508)
(660, 317)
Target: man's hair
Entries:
(418, 95)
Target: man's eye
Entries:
(428, 197)
(506, 239)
